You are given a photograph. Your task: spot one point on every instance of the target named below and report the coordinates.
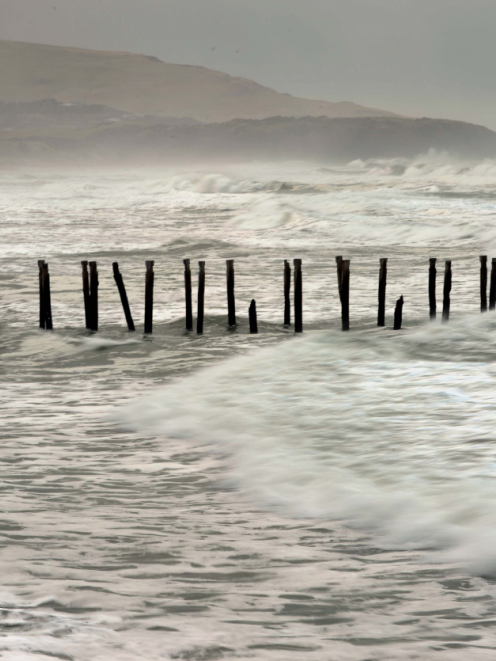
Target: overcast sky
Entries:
(417, 57)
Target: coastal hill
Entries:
(72, 106)
(143, 85)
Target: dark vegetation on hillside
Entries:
(141, 140)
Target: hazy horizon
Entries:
(419, 59)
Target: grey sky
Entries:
(418, 57)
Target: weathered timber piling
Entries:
(432, 288)
(86, 295)
(492, 288)
(381, 312)
(231, 303)
(345, 295)
(339, 268)
(447, 291)
(93, 296)
(287, 293)
(483, 282)
(298, 296)
(149, 280)
(41, 276)
(201, 298)
(122, 292)
(47, 298)
(398, 314)
(187, 294)
(252, 313)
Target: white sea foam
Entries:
(390, 434)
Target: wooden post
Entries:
(492, 289)
(432, 288)
(398, 314)
(231, 304)
(252, 312)
(339, 265)
(298, 296)
(187, 289)
(381, 314)
(122, 292)
(93, 296)
(345, 294)
(47, 299)
(149, 279)
(287, 293)
(41, 263)
(483, 282)
(86, 295)
(201, 298)
(447, 290)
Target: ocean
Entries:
(323, 496)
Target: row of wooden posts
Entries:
(90, 294)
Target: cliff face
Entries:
(143, 85)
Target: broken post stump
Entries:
(201, 298)
(298, 296)
(432, 288)
(287, 293)
(483, 282)
(122, 292)
(252, 313)
(447, 291)
(492, 288)
(93, 296)
(398, 314)
(231, 304)
(381, 313)
(149, 280)
(187, 292)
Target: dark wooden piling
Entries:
(287, 293)
(41, 277)
(47, 298)
(432, 288)
(188, 297)
(339, 268)
(93, 296)
(398, 314)
(483, 282)
(201, 298)
(122, 292)
(86, 294)
(492, 288)
(298, 296)
(149, 280)
(447, 291)
(252, 313)
(345, 295)
(231, 303)
(381, 312)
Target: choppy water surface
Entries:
(330, 496)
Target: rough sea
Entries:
(323, 497)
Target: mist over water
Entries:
(236, 496)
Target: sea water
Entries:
(231, 496)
